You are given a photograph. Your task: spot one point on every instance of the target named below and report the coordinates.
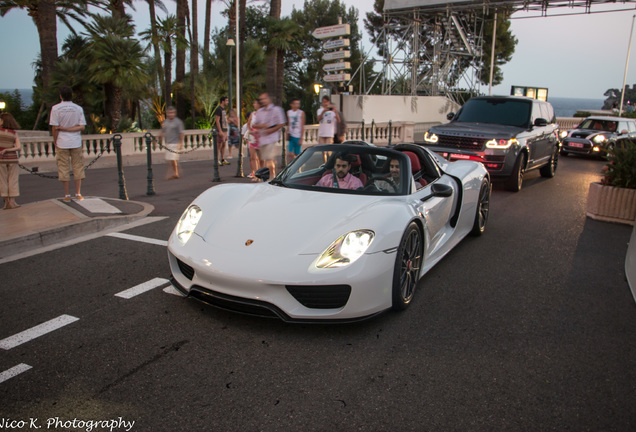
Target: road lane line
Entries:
(14, 371)
(37, 331)
(142, 288)
(139, 239)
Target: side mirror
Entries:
(450, 116)
(540, 122)
(262, 173)
(439, 190)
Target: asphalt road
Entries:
(531, 327)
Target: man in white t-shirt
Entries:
(269, 120)
(68, 123)
(328, 119)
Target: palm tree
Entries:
(45, 14)
(116, 61)
(284, 36)
(272, 61)
(182, 13)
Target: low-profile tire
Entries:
(516, 178)
(408, 263)
(483, 209)
(549, 170)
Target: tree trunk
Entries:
(208, 18)
(115, 115)
(155, 46)
(168, 84)
(118, 9)
(194, 61)
(46, 22)
(272, 59)
(241, 43)
(182, 13)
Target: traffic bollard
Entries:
(362, 133)
(123, 195)
(390, 130)
(216, 177)
(371, 132)
(151, 184)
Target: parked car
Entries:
(300, 249)
(508, 134)
(596, 135)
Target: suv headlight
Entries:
(188, 222)
(501, 144)
(599, 139)
(563, 134)
(346, 250)
(430, 137)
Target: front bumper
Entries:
(582, 146)
(353, 293)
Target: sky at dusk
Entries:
(577, 56)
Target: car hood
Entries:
(584, 133)
(485, 130)
(278, 221)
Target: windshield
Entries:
(343, 168)
(598, 124)
(507, 112)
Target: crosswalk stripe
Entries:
(139, 238)
(37, 331)
(142, 288)
(15, 370)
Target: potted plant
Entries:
(613, 199)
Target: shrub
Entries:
(620, 171)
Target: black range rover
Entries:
(508, 134)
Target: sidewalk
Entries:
(44, 219)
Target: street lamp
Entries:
(230, 43)
(2, 105)
(317, 88)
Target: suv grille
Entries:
(460, 142)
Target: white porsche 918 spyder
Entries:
(343, 233)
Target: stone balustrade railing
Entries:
(41, 149)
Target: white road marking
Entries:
(37, 331)
(15, 370)
(98, 205)
(172, 290)
(139, 239)
(142, 288)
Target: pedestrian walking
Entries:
(173, 136)
(269, 120)
(68, 122)
(9, 146)
(250, 134)
(233, 138)
(220, 121)
(296, 129)
(327, 119)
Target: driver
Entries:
(394, 177)
(340, 177)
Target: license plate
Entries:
(460, 156)
(575, 144)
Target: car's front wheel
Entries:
(549, 170)
(516, 178)
(407, 267)
(483, 208)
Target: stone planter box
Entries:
(611, 204)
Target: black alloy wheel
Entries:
(483, 209)
(516, 178)
(408, 263)
(549, 170)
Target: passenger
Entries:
(343, 179)
(394, 177)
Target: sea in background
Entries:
(563, 107)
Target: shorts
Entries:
(268, 151)
(170, 148)
(67, 159)
(294, 145)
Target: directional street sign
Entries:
(333, 67)
(337, 77)
(332, 31)
(336, 55)
(336, 43)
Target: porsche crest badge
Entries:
(249, 242)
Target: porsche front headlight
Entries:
(188, 223)
(346, 250)
(599, 139)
